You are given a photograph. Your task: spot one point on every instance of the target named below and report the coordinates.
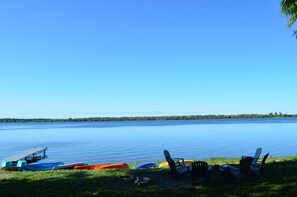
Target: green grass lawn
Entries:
(280, 180)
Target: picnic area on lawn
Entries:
(280, 179)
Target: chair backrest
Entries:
(257, 155)
(171, 164)
(170, 161)
(166, 154)
(245, 164)
(263, 162)
(199, 168)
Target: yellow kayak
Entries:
(166, 165)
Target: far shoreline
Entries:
(151, 118)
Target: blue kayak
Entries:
(41, 166)
(146, 165)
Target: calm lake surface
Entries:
(133, 141)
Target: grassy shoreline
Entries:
(280, 180)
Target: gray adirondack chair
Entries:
(258, 169)
(177, 165)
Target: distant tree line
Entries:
(190, 117)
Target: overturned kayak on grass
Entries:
(146, 165)
(112, 166)
(41, 166)
(87, 167)
(166, 165)
(69, 166)
(102, 166)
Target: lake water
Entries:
(132, 141)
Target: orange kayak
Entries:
(88, 167)
(102, 166)
(111, 166)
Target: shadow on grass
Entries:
(280, 180)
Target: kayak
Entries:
(112, 166)
(41, 166)
(87, 167)
(166, 165)
(69, 166)
(146, 165)
(102, 166)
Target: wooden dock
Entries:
(31, 155)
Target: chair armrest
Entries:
(179, 161)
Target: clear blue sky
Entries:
(76, 58)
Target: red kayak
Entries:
(69, 166)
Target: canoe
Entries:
(146, 165)
(166, 165)
(112, 166)
(41, 166)
(69, 166)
